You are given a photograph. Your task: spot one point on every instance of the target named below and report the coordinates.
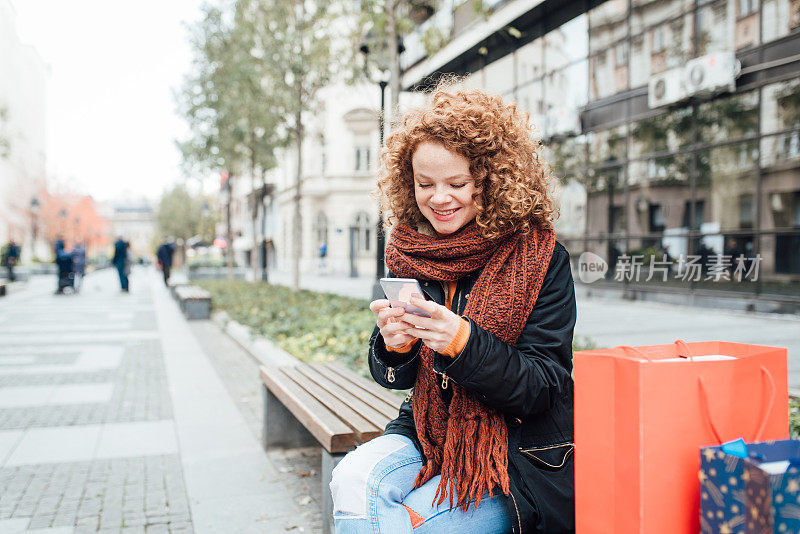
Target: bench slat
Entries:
(364, 429)
(369, 412)
(329, 430)
(186, 292)
(387, 397)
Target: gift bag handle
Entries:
(683, 350)
(764, 416)
(635, 350)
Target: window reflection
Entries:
(568, 44)
(675, 180)
(668, 131)
(607, 24)
(780, 106)
(646, 13)
(530, 62)
(778, 18)
(728, 118)
(726, 182)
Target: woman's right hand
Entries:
(392, 329)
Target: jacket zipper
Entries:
(390, 374)
(529, 452)
(519, 520)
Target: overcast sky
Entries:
(113, 67)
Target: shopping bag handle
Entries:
(635, 350)
(764, 415)
(683, 350)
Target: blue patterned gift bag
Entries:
(752, 488)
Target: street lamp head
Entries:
(377, 49)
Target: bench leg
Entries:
(329, 461)
(281, 429)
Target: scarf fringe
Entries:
(467, 442)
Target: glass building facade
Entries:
(702, 194)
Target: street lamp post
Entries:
(382, 62)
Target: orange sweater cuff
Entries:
(457, 344)
(404, 349)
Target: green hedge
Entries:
(310, 326)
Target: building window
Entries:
(659, 39)
(363, 233)
(321, 229)
(656, 218)
(747, 211)
(323, 159)
(747, 7)
(362, 158)
(617, 214)
(699, 213)
(621, 54)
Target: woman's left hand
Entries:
(436, 331)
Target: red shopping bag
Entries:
(641, 415)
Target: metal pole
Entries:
(380, 269)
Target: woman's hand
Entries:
(437, 331)
(393, 330)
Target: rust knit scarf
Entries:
(467, 442)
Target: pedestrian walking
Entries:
(121, 261)
(10, 258)
(78, 265)
(164, 255)
(323, 253)
(66, 277)
(484, 443)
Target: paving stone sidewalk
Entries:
(113, 419)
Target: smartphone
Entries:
(399, 292)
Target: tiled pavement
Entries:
(113, 419)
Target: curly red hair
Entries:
(511, 179)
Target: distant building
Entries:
(22, 136)
(340, 168)
(673, 126)
(73, 219)
(135, 221)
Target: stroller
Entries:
(66, 275)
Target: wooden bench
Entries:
(176, 280)
(195, 302)
(325, 404)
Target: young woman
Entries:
(484, 443)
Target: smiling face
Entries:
(443, 187)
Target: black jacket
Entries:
(164, 254)
(531, 383)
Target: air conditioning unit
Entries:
(665, 88)
(712, 73)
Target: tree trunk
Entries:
(254, 211)
(229, 231)
(298, 222)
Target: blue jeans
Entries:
(373, 492)
(123, 278)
